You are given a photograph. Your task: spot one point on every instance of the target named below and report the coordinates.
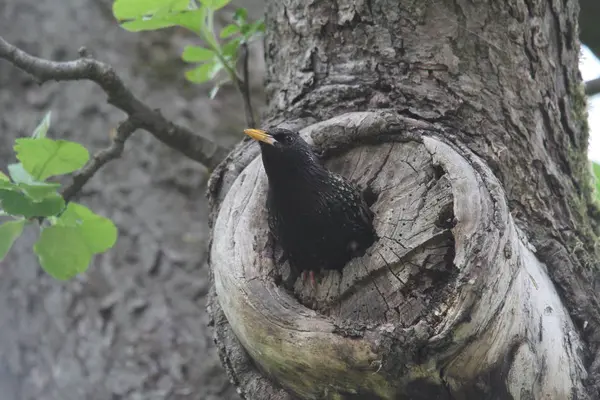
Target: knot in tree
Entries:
(442, 296)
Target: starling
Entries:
(320, 220)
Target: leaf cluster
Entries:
(69, 234)
(218, 53)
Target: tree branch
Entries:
(244, 87)
(124, 131)
(140, 115)
(592, 87)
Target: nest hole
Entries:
(370, 196)
(403, 277)
(438, 172)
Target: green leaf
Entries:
(249, 30)
(5, 183)
(240, 16)
(215, 4)
(99, 233)
(17, 203)
(204, 72)
(197, 54)
(18, 174)
(62, 251)
(35, 190)
(258, 26)
(9, 232)
(69, 216)
(150, 24)
(133, 9)
(43, 158)
(41, 130)
(38, 191)
(229, 30)
(66, 248)
(230, 49)
(192, 20)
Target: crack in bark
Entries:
(374, 282)
(390, 268)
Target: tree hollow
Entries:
(442, 300)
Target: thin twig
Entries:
(592, 87)
(124, 131)
(244, 86)
(173, 135)
(207, 34)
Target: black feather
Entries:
(319, 218)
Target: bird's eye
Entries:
(283, 138)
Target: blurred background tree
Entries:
(134, 326)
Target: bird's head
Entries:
(278, 139)
(284, 152)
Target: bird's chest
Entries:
(312, 221)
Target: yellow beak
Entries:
(259, 135)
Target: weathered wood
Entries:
(450, 294)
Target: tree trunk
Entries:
(467, 121)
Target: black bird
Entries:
(320, 220)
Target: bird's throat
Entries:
(288, 173)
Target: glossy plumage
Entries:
(320, 220)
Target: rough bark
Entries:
(486, 99)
